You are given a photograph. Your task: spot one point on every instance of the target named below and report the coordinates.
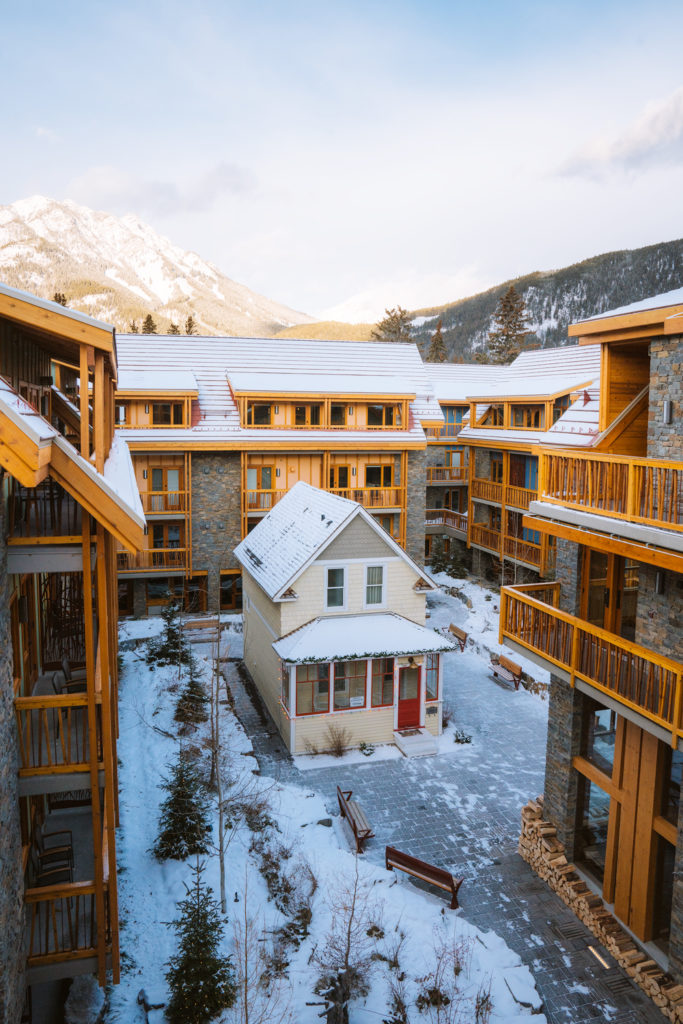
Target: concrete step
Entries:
(415, 742)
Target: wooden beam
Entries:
(630, 549)
(84, 377)
(59, 323)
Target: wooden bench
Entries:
(393, 858)
(508, 670)
(355, 815)
(459, 634)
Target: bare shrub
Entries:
(439, 997)
(446, 716)
(263, 997)
(483, 1004)
(338, 739)
(310, 747)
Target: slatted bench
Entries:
(508, 670)
(458, 634)
(355, 815)
(443, 879)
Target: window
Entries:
(374, 584)
(496, 467)
(165, 490)
(349, 684)
(167, 414)
(382, 682)
(598, 735)
(432, 677)
(231, 592)
(335, 588)
(120, 413)
(527, 417)
(493, 417)
(337, 415)
(381, 416)
(379, 476)
(560, 407)
(307, 415)
(312, 689)
(339, 478)
(259, 414)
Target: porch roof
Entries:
(346, 637)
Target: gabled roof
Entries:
(672, 298)
(311, 383)
(296, 531)
(454, 382)
(545, 372)
(371, 635)
(656, 315)
(164, 381)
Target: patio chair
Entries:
(56, 847)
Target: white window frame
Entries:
(375, 604)
(336, 607)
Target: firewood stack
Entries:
(543, 851)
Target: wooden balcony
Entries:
(519, 497)
(648, 491)
(446, 475)
(44, 511)
(447, 430)
(522, 550)
(54, 735)
(373, 497)
(487, 490)
(164, 501)
(445, 517)
(485, 537)
(633, 675)
(262, 501)
(152, 558)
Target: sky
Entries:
(347, 157)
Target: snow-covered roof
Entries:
(53, 307)
(24, 416)
(454, 382)
(318, 383)
(120, 475)
(661, 301)
(182, 381)
(217, 361)
(284, 541)
(345, 637)
(578, 427)
(543, 372)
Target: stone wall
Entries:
(482, 462)
(568, 560)
(659, 616)
(665, 440)
(416, 492)
(11, 881)
(565, 711)
(216, 516)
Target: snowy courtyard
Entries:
(513, 950)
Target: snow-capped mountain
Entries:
(119, 269)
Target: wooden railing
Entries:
(152, 558)
(373, 497)
(489, 490)
(485, 537)
(445, 517)
(522, 550)
(43, 511)
(164, 501)
(262, 501)
(519, 497)
(446, 474)
(53, 734)
(62, 922)
(640, 490)
(447, 430)
(634, 675)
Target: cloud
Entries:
(41, 132)
(654, 139)
(411, 290)
(115, 190)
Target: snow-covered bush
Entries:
(185, 822)
(191, 706)
(170, 647)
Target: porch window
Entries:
(374, 584)
(335, 588)
(312, 689)
(349, 684)
(382, 682)
(432, 677)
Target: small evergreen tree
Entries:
(510, 328)
(394, 327)
(184, 823)
(148, 325)
(171, 647)
(173, 329)
(190, 325)
(202, 982)
(133, 327)
(437, 349)
(59, 297)
(192, 702)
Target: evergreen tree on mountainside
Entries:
(148, 325)
(190, 325)
(133, 327)
(510, 325)
(394, 327)
(59, 297)
(437, 349)
(201, 980)
(173, 328)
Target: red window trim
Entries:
(393, 667)
(427, 670)
(356, 707)
(312, 682)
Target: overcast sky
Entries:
(344, 157)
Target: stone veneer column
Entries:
(11, 880)
(416, 491)
(216, 516)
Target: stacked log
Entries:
(543, 851)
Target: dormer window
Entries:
(121, 413)
(527, 417)
(307, 415)
(560, 407)
(381, 416)
(259, 414)
(167, 414)
(494, 417)
(337, 415)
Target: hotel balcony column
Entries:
(565, 715)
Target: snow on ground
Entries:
(149, 890)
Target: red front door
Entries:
(408, 698)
